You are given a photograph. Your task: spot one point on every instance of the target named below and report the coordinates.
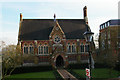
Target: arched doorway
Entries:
(59, 61)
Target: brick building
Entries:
(109, 38)
(58, 42)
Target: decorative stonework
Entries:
(56, 41)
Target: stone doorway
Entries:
(59, 62)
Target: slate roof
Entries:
(40, 29)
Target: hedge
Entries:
(28, 69)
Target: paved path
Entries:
(66, 75)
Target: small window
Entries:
(82, 48)
(73, 47)
(108, 23)
(31, 49)
(45, 49)
(68, 48)
(25, 49)
(40, 49)
(86, 48)
(103, 26)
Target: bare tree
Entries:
(11, 59)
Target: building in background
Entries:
(109, 38)
(58, 42)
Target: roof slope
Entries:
(40, 29)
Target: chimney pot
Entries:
(85, 14)
(20, 16)
(85, 11)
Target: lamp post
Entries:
(88, 36)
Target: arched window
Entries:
(68, 48)
(86, 48)
(25, 49)
(40, 49)
(73, 47)
(81, 47)
(31, 49)
(45, 49)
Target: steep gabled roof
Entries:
(40, 29)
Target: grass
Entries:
(99, 73)
(96, 73)
(46, 74)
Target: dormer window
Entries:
(57, 39)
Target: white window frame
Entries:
(83, 48)
(25, 45)
(68, 48)
(39, 50)
(31, 46)
(45, 51)
(42, 51)
(73, 47)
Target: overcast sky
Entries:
(99, 11)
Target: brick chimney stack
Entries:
(85, 14)
(20, 16)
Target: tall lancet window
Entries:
(73, 47)
(31, 49)
(68, 48)
(86, 48)
(25, 49)
(82, 47)
(45, 49)
(40, 49)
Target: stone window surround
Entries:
(43, 46)
(28, 45)
(69, 45)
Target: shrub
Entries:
(29, 69)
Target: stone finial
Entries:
(54, 17)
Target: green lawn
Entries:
(46, 74)
(99, 73)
